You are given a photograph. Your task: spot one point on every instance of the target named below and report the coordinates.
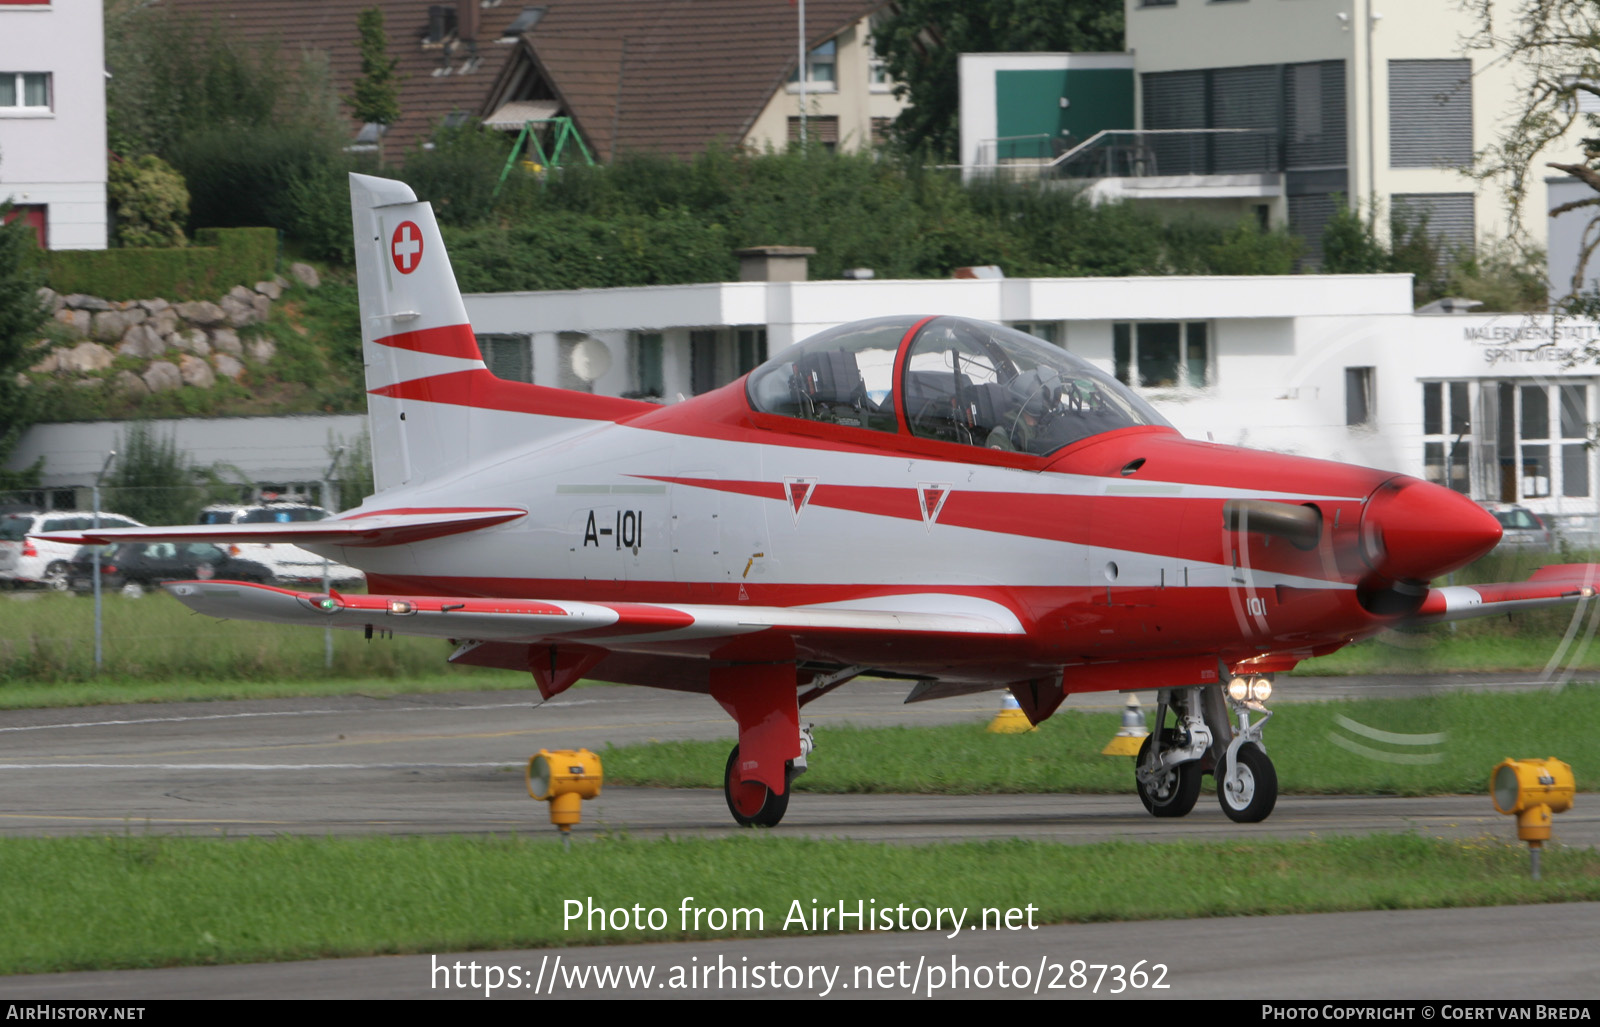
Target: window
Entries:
(1430, 113)
(878, 80)
(1447, 454)
(1449, 218)
(823, 130)
(24, 91)
(752, 349)
(1359, 398)
(1162, 354)
(821, 64)
(507, 356)
(647, 361)
(1049, 331)
(702, 360)
(1552, 451)
(583, 360)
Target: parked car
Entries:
(291, 565)
(133, 568)
(1520, 527)
(28, 561)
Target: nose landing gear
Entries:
(1213, 734)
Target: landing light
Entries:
(564, 778)
(1533, 790)
(399, 607)
(1258, 689)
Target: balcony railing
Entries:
(1147, 153)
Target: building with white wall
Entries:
(53, 119)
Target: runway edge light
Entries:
(563, 778)
(1132, 733)
(1533, 790)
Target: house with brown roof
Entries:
(671, 76)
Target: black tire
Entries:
(752, 804)
(55, 576)
(1260, 791)
(1178, 791)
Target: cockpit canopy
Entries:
(962, 381)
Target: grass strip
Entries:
(1446, 743)
(109, 902)
(17, 695)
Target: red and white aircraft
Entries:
(935, 499)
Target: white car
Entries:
(291, 565)
(28, 561)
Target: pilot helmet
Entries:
(1036, 392)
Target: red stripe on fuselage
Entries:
(1140, 524)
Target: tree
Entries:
(376, 99)
(150, 200)
(1555, 45)
(919, 42)
(22, 315)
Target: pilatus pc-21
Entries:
(932, 499)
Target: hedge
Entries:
(220, 259)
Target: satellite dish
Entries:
(590, 359)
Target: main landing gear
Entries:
(1213, 735)
(764, 699)
(752, 803)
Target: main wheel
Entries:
(1250, 798)
(752, 803)
(1176, 791)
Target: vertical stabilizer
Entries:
(432, 405)
(414, 331)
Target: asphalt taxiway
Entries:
(453, 763)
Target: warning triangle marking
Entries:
(932, 496)
(798, 491)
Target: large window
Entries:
(507, 356)
(24, 91)
(1430, 113)
(821, 70)
(1447, 434)
(1551, 452)
(648, 379)
(1360, 395)
(1162, 354)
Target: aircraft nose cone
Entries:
(1416, 531)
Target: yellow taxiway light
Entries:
(1533, 790)
(564, 778)
(1010, 720)
(1132, 733)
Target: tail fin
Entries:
(413, 329)
(432, 405)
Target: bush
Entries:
(459, 174)
(150, 202)
(221, 259)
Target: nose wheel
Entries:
(1247, 785)
(752, 803)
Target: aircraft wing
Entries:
(1548, 586)
(375, 528)
(612, 625)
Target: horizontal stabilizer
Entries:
(378, 528)
(608, 625)
(1548, 586)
